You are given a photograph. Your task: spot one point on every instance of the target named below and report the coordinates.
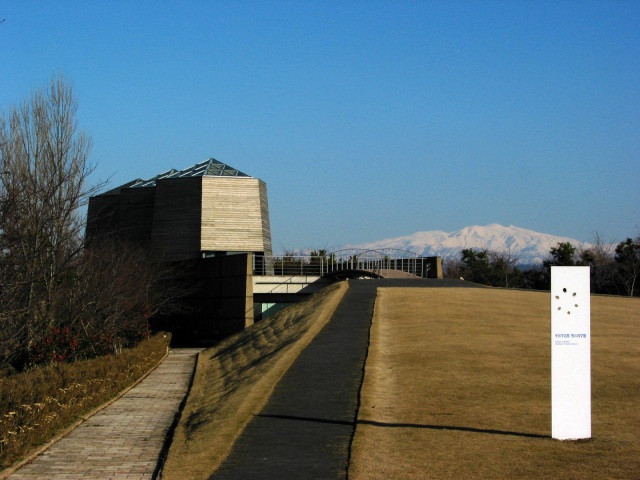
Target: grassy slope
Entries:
(478, 363)
(234, 380)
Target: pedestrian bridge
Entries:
(289, 278)
(234, 291)
(348, 263)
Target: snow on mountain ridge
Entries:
(529, 246)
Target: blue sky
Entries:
(366, 119)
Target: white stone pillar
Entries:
(570, 353)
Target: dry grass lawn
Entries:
(234, 380)
(457, 385)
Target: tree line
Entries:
(61, 299)
(615, 269)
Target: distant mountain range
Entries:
(530, 247)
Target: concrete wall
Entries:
(221, 303)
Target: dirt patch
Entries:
(234, 380)
(457, 385)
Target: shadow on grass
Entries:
(408, 425)
(263, 351)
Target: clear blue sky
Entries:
(366, 119)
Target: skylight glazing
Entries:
(208, 168)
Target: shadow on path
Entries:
(409, 425)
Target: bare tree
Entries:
(117, 288)
(44, 165)
(504, 264)
(599, 256)
(628, 259)
(452, 267)
(60, 300)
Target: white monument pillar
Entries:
(570, 353)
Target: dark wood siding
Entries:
(136, 214)
(102, 216)
(182, 217)
(176, 218)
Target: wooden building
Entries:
(209, 209)
(210, 216)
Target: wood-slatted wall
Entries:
(234, 212)
(266, 224)
(182, 217)
(176, 218)
(102, 216)
(121, 213)
(136, 214)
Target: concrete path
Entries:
(124, 440)
(305, 430)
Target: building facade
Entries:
(209, 209)
(210, 218)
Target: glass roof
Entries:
(208, 168)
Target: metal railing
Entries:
(356, 260)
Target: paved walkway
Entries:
(306, 428)
(124, 440)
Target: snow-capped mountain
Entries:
(528, 246)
